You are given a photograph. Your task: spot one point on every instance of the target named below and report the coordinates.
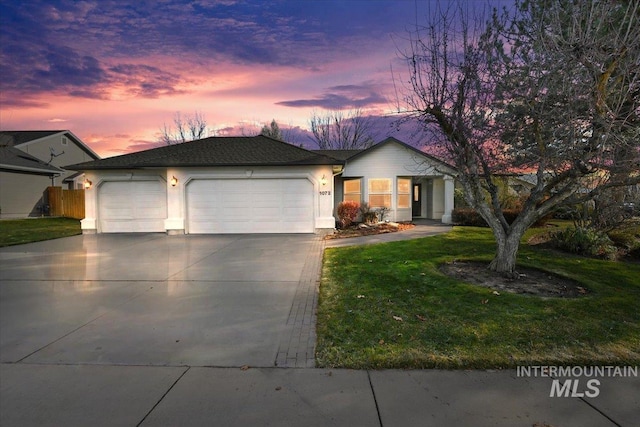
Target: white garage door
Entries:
(132, 206)
(250, 206)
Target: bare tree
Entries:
(185, 129)
(550, 88)
(339, 130)
(272, 131)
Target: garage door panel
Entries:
(250, 206)
(132, 206)
(234, 214)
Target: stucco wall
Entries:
(175, 222)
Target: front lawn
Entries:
(19, 231)
(388, 306)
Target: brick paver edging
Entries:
(298, 342)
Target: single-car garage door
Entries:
(132, 206)
(250, 206)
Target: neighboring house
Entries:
(30, 162)
(255, 185)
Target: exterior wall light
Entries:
(174, 181)
(323, 180)
(87, 184)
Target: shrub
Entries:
(472, 218)
(627, 238)
(369, 216)
(624, 239)
(382, 213)
(458, 199)
(567, 212)
(584, 241)
(348, 212)
(468, 217)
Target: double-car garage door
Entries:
(274, 205)
(249, 206)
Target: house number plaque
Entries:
(325, 193)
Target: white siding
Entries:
(385, 161)
(438, 199)
(389, 161)
(21, 195)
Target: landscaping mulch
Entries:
(369, 229)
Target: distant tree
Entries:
(339, 130)
(185, 129)
(273, 131)
(549, 87)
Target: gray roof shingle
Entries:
(17, 137)
(214, 151)
(339, 154)
(15, 160)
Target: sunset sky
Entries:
(113, 72)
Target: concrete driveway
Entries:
(154, 330)
(152, 299)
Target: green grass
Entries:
(19, 231)
(444, 321)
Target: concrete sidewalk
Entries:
(423, 228)
(89, 395)
(100, 349)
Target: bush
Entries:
(472, 218)
(382, 213)
(567, 212)
(624, 239)
(369, 216)
(348, 212)
(468, 217)
(627, 239)
(458, 199)
(584, 241)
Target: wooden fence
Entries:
(67, 203)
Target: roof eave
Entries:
(84, 147)
(26, 169)
(81, 167)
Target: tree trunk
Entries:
(506, 253)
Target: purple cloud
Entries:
(62, 45)
(144, 80)
(341, 97)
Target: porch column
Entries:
(89, 224)
(448, 199)
(176, 187)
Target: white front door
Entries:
(250, 206)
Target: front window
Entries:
(352, 190)
(380, 193)
(404, 193)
